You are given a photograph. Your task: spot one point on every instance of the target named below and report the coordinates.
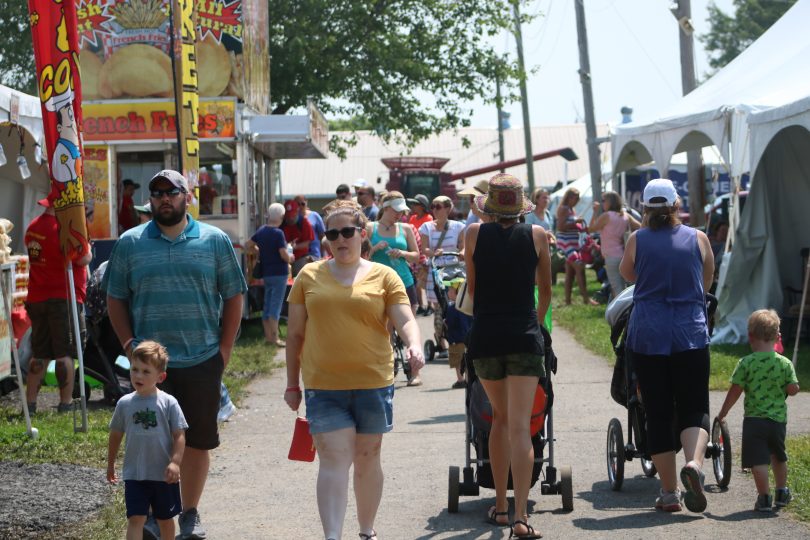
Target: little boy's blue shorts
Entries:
(164, 498)
(368, 411)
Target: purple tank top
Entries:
(669, 304)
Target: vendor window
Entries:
(218, 189)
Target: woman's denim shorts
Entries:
(368, 411)
(274, 289)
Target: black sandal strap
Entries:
(364, 536)
(530, 532)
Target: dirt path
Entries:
(255, 492)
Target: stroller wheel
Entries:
(567, 488)
(615, 454)
(429, 350)
(648, 467)
(721, 453)
(453, 490)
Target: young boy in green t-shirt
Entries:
(767, 378)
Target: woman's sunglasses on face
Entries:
(439, 206)
(345, 232)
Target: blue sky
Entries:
(634, 56)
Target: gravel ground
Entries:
(39, 499)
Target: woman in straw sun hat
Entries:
(504, 261)
(672, 266)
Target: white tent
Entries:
(756, 111)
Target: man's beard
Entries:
(169, 220)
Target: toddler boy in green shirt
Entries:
(767, 378)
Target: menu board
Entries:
(125, 48)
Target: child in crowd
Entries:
(155, 440)
(458, 326)
(767, 378)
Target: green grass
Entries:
(589, 328)
(57, 443)
(798, 448)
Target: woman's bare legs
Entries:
(694, 441)
(336, 451)
(570, 271)
(665, 463)
(579, 268)
(510, 440)
(368, 479)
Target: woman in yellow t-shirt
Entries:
(338, 342)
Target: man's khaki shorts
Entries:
(455, 354)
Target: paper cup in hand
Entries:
(302, 448)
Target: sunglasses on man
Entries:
(159, 193)
(345, 232)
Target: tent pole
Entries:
(78, 339)
(801, 313)
(16, 357)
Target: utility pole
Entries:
(682, 10)
(527, 125)
(499, 104)
(587, 97)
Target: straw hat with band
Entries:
(504, 198)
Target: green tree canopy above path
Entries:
(729, 35)
(406, 67)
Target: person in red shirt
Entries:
(48, 307)
(127, 218)
(298, 232)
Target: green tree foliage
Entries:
(17, 54)
(729, 35)
(405, 67)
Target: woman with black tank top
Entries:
(505, 259)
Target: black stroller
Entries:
(102, 347)
(625, 391)
(477, 472)
(453, 268)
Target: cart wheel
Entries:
(429, 350)
(453, 490)
(721, 460)
(615, 454)
(648, 467)
(567, 488)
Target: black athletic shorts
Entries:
(197, 390)
(761, 438)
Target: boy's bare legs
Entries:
(135, 528)
(368, 479)
(336, 451)
(760, 473)
(665, 463)
(499, 453)
(166, 527)
(780, 471)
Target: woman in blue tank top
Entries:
(393, 243)
(672, 266)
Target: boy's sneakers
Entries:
(692, 478)
(764, 503)
(190, 525)
(669, 501)
(782, 497)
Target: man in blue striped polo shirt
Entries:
(170, 280)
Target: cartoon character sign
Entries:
(55, 36)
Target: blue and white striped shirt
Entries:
(175, 288)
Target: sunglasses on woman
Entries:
(439, 206)
(345, 232)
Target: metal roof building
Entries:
(318, 178)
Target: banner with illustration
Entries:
(125, 46)
(97, 191)
(54, 33)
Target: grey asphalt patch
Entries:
(254, 492)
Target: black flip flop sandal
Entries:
(530, 535)
(492, 517)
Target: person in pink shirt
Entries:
(612, 222)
